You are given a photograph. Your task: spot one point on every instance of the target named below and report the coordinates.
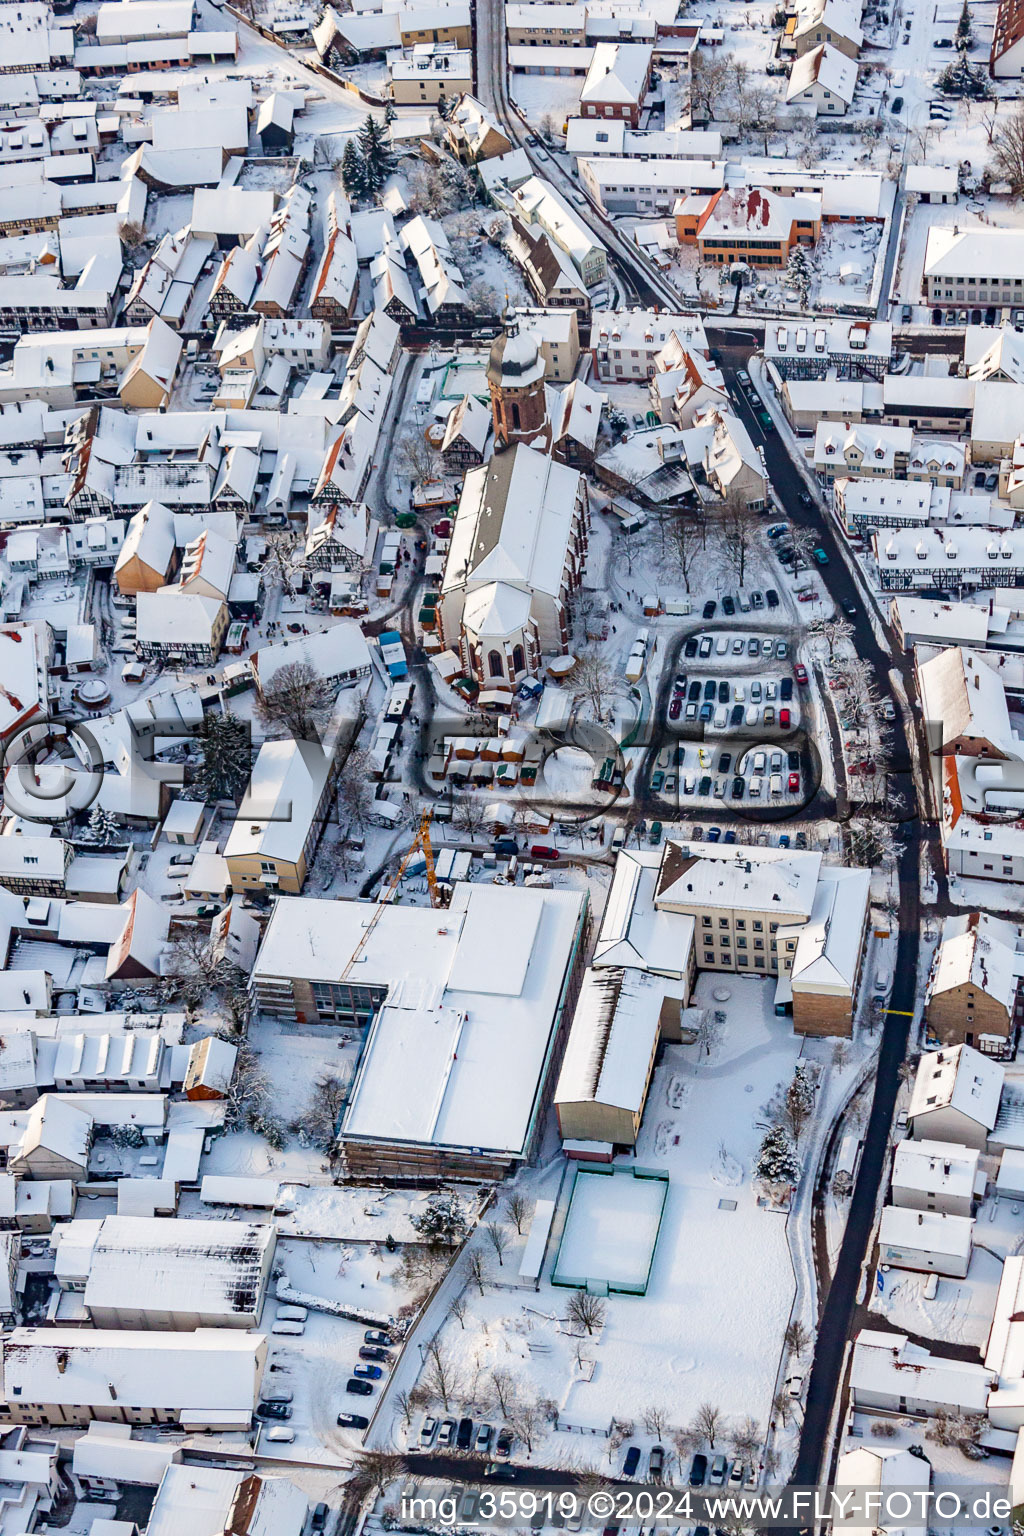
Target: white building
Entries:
(537, 202)
(956, 1097)
(936, 1176)
(825, 79)
(890, 1373)
(979, 265)
(1004, 1351)
(876, 1471)
(928, 1240)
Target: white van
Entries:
(759, 762)
(292, 1314)
(753, 714)
(775, 784)
(281, 1433)
(721, 718)
(776, 762)
(754, 787)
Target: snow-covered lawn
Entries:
(543, 96)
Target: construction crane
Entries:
(422, 842)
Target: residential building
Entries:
(955, 1097)
(472, 135)
(844, 451)
(936, 1176)
(843, 349)
(456, 1002)
(964, 559)
(163, 1274)
(832, 22)
(557, 333)
(973, 995)
(173, 623)
(648, 187)
(148, 553)
(204, 1380)
(1006, 56)
(932, 1241)
(825, 79)
(889, 1374)
(875, 1472)
(552, 276)
(275, 834)
(617, 82)
(429, 71)
(627, 343)
(538, 203)
(1004, 1349)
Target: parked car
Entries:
(723, 691)
(376, 1336)
(728, 605)
(786, 689)
(739, 785)
(709, 608)
(782, 649)
(896, 109)
(446, 1434)
(545, 853)
(694, 692)
(757, 599)
(800, 673)
(675, 708)
(353, 1421)
(819, 555)
(736, 1475)
(737, 645)
(482, 1444)
(281, 1433)
(698, 1470)
(730, 835)
(464, 1438)
(771, 597)
(319, 1520)
(656, 1463)
(631, 1462)
(368, 1372)
(359, 1388)
(373, 1352)
(710, 688)
(793, 783)
(888, 710)
(714, 834)
(273, 1410)
(785, 718)
(719, 1468)
(724, 762)
(753, 646)
(704, 650)
(777, 530)
(503, 1444)
(690, 648)
(736, 715)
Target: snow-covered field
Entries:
(611, 1229)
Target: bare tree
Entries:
(477, 1272)
(526, 1420)
(518, 1208)
(758, 109)
(417, 458)
(870, 841)
(1006, 162)
(323, 1110)
(686, 1440)
(505, 1390)
(782, 1405)
(595, 679)
(441, 1377)
(834, 630)
(738, 528)
(377, 1470)
(797, 1337)
(682, 539)
(709, 1032)
(655, 1420)
(297, 701)
(354, 791)
(470, 816)
(708, 1422)
(406, 1405)
(499, 1240)
(585, 1311)
(711, 79)
(746, 1438)
(459, 1307)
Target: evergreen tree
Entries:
(777, 1161)
(798, 272)
(227, 758)
(962, 78)
(103, 829)
(443, 108)
(353, 170)
(442, 1221)
(389, 111)
(964, 29)
(376, 153)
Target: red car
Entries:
(806, 597)
(675, 707)
(541, 851)
(800, 673)
(785, 718)
(794, 783)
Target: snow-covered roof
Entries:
(163, 1264)
(634, 932)
(825, 67)
(979, 251)
(174, 618)
(472, 998)
(618, 73)
(759, 214)
(614, 1031)
(338, 652)
(978, 950)
(279, 805)
(829, 945)
(779, 881)
(966, 696)
(58, 1126)
(888, 1365)
(212, 1369)
(108, 1451)
(935, 1168)
(959, 1078)
(934, 1232)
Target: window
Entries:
(758, 925)
(709, 957)
(518, 659)
(741, 923)
(706, 922)
(494, 666)
(723, 922)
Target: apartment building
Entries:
(973, 995)
(973, 266)
(748, 224)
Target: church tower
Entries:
(515, 377)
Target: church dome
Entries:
(515, 359)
